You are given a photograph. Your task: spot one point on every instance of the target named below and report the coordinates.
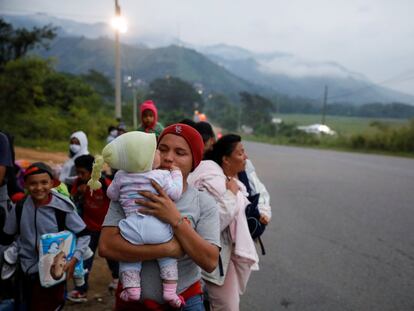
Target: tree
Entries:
(256, 110)
(101, 83)
(222, 111)
(15, 43)
(39, 103)
(175, 99)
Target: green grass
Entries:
(326, 143)
(342, 125)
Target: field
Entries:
(341, 125)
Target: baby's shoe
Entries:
(131, 294)
(170, 295)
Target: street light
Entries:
(120, 26)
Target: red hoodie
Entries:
(155, 127)
(149, 105)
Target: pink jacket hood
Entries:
(149, 105)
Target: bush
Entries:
(40, 104)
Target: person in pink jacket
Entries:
(217, 175)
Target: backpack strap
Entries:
(220, 264)
(245, 180)
(60, 219)
(261, 245)
(19, 210)
(5, 239)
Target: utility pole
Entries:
(134, 108)
(325, 97)
(118, 107)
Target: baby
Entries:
(135, 156)
(57, 269)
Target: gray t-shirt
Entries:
(200, 208)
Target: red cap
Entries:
(191, 136)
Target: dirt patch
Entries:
(99, 296)
(32, 155)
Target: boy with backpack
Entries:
(42, 211)
(92, 206)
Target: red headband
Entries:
(191, 136)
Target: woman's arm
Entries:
(203, 253)
(113, 246)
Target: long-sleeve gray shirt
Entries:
(36, 221)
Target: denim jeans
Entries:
(194, 303)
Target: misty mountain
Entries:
(79, 55)
(228, 69)
(65, 27)
(285, 73)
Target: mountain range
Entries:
(218, 68)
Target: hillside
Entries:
(288, 74)
(220, 68)
(78, 55)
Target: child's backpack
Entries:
(256, 228)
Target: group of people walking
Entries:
(170, 219)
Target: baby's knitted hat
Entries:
(132, 152)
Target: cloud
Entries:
(301, 68)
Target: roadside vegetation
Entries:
(41, 107)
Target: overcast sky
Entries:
(372, 37)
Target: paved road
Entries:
(342, 236)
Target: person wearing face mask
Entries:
(78, 145)
(112, 134)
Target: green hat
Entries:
(132, 152)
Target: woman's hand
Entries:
(160, 206)
(175, 248)
(264, 219)
(232, 185)
(70, 267)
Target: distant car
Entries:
(317, 129)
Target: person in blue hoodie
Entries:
(43, 211)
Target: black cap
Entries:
(38, 168)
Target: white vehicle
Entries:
(317, 129)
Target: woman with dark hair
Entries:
(217, 174)
(193, 218)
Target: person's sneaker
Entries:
(77, 296)
(113, 285)
(11, 253)
(7, 271)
